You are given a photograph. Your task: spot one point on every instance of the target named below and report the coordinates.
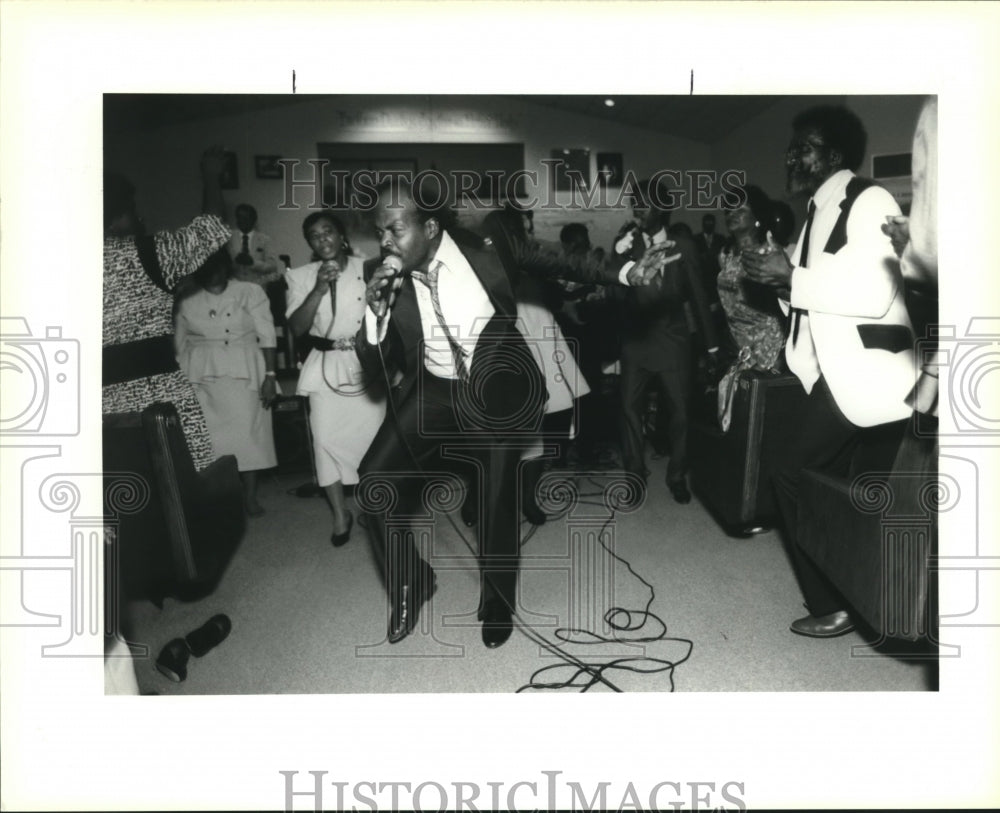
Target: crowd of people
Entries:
(433, 346)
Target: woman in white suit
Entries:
(326, 300)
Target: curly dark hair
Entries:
(840, 128)
(426, 197)
(324, 214)
(761, 207)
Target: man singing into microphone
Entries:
(440, 327)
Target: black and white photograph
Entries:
(423, 432)
(672, 417)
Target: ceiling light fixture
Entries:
(609, 102)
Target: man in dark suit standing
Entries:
(440, 326)
(710, 243)
(656, 336)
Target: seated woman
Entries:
(326, 300)
(752, 312)
(225, 343)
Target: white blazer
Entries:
(856, 331)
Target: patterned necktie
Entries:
(804, 263)
(430, 279)
(246, 244)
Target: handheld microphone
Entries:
(396, 282)
(326, 265)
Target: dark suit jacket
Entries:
(505, 379)
(656, 325)
(709, 251)
(712, 248)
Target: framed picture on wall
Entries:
(609, 169)
(230, 177)
(339, 178)
(267, 167)
(571, 160)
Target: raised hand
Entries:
(328, 273)
(650, 266)
(897, 228)
(379, 295)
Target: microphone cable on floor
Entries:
(592, 672)
(620, 620)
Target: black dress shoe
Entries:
(173, 660)
(209, 635)
(534, 514)
(680, 491)
(405, 608)
(497, 624)
(339, 540)
(825, 626)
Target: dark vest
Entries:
(838, 237)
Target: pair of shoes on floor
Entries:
(173, 659)
(339, 540)
(498, 623)
(680, 491)
(405, 604)
(824, 626)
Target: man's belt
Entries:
(340, 343)
(139, 359)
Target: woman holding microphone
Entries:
(326, 300)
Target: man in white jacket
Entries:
(850, 340)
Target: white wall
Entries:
(163, 163)
(758, 146)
